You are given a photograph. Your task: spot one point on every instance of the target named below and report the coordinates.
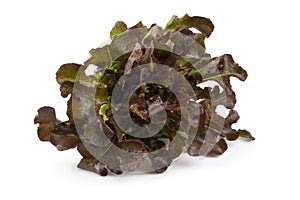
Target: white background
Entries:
(36, 37)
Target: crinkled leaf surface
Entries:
(46, 119)
(119, 28)
(202, 24)
(177, 46)
(67, 72)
